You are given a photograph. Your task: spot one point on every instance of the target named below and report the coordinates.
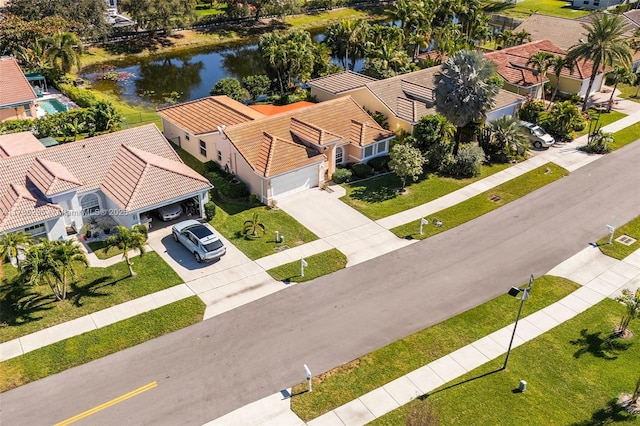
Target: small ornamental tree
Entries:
(256, 85)
(632, 303)
(231, 87)
(406, 161)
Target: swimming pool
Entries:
(52, 106)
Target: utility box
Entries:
(523, 386)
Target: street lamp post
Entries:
(525, 295)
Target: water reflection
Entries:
(158, 79)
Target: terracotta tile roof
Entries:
(51, 177)
(138, 179)
(279, 109)
(312, 133)
(364, 133)
(90, 160)
(19, 143)
(14, 87)
(333, 117)
(19, 208)
(206, 114)
(562, 32)
(341, 82)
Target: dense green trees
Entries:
(63, 51)
(230, 87)
(160, 15)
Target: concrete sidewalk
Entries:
(600, 277)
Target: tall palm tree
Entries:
(12, 244)
(126, 240)
(40, 267)
(619, 74)
(558, 64)
(540, 62)
(463, 91)
(67, 254)
(64, 51)
(605, 46)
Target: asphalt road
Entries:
(216, 366)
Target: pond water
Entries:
(191, 73)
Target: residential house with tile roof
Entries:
(403, 99)
(17, 98)
(279, 154)
(127, 174)
(523, 79)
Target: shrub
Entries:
(379, 164)
(439, 157)
(530, 111)
(349, 165)
(468, 161)
(212, 166)
(341, 175)
(235, 190)
(209, 209)
(598, 143)
(83, 97)
(362, 170)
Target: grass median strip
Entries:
(574, 373)
(96, 344)
(616, 249)
(483, 203)
(317, 265)
(350, 381)
(27, 309)
(625, 136)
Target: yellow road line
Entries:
(108, 404)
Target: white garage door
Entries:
(293, 182)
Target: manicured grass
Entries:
(327, 18)
(96, 344)
(231, 216)
(563, 9)
(628, 92)
(574, 373)
(480, 204)
(98, 248)
(619, 250)
(24, 309)
(190, 160)
(625, 136)
(378, 197)
(347, 382)
(318, 265)
(605, 119)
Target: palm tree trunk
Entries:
(594, 71)
(613, 92)
(131, 273)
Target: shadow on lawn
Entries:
(427, 395)
(609, 414)
(601, 347)
(374, 194)
(76, 293)
(19, 304)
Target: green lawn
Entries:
(605, 119)
(231, 216)
(574, 374)
(377, 197)
(98, 248)
(619, 250)
(482, 203)
(24, 310)
(95, 344)
(563, 9)
(327, 18)
(628, 92)
(625, 136)
(347, 382)
(318, 265)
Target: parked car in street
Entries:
(199, 240)
(536, 134)
(170, 212)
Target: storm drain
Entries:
(495, 198)
(626, 240)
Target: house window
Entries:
(90, 204)
(339, 155)
(585, 2)
(381, 147)
(36, 230)
(219, 156)
(203, 148)
(186, 135)
(368, 151)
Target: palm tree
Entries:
(346, 39)
(463, 91)
(13, 244)
(507, 137)
(40, 267)
(126, 240)
(632, 303)
(521, 36)
(605, 46)
(619, 74)
(252, 226)
(540, 62)
(558, 63)
(64, 51)
(66, 254)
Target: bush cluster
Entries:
(228, 185)
(379, 164)
(341, 175)
(209, 210)
(467, 163)
(530, 111)
(362, 170)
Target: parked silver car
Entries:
(170, 212)
(536, 134)
(199, 240)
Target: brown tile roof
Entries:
(19, 143)
(138, 179)
(341, 82)
(14, 87)
(312, 133)
(19, 208)
(90, 160)
(334, 117)
(279, 109)
(562, 32)
(206, 114)
(51, 177)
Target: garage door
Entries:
(293, 182)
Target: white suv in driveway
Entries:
(536, 134)
(199, 240)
